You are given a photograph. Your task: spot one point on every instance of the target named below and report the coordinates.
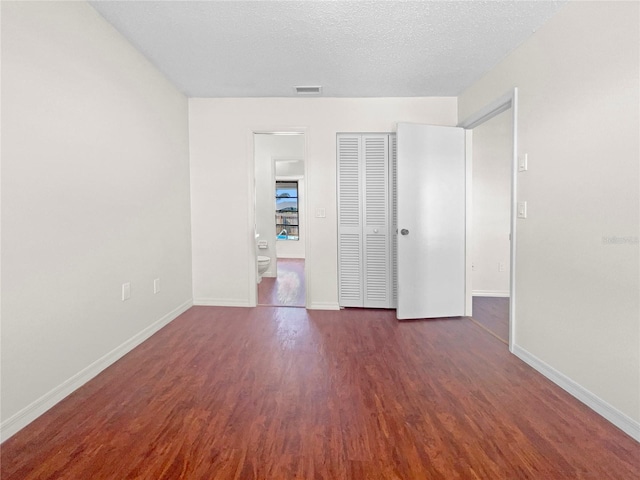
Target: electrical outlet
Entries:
(126, 291)
(156, 285)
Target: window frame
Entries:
(280, 220)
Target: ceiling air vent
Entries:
(308, 90)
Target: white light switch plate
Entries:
(126, 291)
(321, 213)
(522, 162)
(522, 209)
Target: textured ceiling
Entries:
(350, 48)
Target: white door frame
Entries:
(252, 276)
(509, 100)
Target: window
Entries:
(287, 220)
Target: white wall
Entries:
(286, 168)
(577, 294)
(267, 148)
(221, 152)
(95, 193)
(491, 205)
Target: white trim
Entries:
(489, 111)
(288, 160)
(291, 255)
(252, 287)
(514, 218)
(591, 400)
(32, 411)
(323, 306)
(221, 302)
(468, 234)
(307, 218)
(491, 293)
(508, 100)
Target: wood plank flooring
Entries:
(285, 393)
(492, 313)
(288, 288)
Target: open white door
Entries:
(431, 221)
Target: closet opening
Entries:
(367, 243)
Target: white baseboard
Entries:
(291, 255)
(221, 302)
(323, 306)
(28, 414)
(619, 419)
(490, 293)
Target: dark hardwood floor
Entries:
(284, 393)
(492, 313)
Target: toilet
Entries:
(263, 265)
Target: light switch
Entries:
(321, 213)
(126, 291)
(522, 162)
(522, 209)
(156, 285)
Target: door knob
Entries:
(375, 230)
(404, 231)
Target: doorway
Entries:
(280, 218)
(490, 224)
(496, 126)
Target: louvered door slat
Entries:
(350, 259)
(349, 203)
(377, 273)
(350, 250)
(376, 214)
(376, 163)
(393, 212)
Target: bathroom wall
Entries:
(267, 148)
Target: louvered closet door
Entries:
(393, 212)
(350, 249)
(377, 278)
